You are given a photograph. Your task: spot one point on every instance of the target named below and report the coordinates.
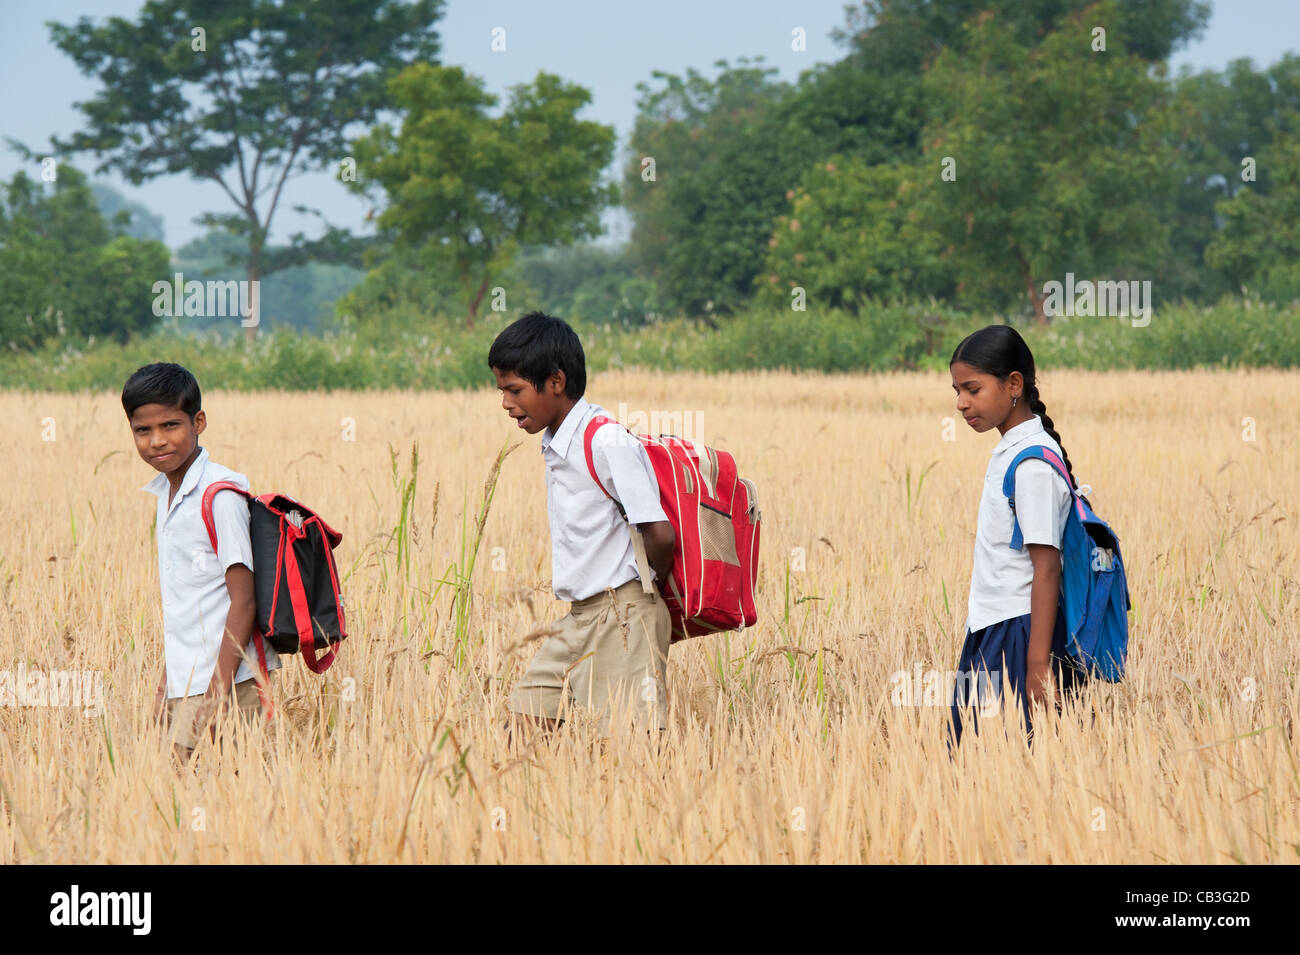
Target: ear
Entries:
(1016, 382)
(557, 383)
(200, 421)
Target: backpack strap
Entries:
(206, 509)
(638, 543)
(1042, 453)
(588, 435)
(301, 612)
(263, 676)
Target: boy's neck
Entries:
(566, 405)
(177, 478)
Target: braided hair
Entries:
(998, 350)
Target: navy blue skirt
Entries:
(1001, 651)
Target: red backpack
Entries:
(299, 605)
(714, 513)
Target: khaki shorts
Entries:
(606, 651)
(181, 710)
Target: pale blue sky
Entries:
(605, 47)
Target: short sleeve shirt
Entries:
(1002, 578)
(191, 576)
(591, 546)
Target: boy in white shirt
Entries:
(204, 598)
(613, 643)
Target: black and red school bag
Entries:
(299, 604)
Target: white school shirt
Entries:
(193, 579)
(591, 546)
(1001, 578)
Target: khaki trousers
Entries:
(611, 649)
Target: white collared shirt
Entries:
(1001, 578)
(591, 545)
(192, 578)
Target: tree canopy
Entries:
(243, 93)
(468, 189)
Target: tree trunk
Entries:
(476, 302)
(254, 292)
(1040, 316)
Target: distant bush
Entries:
(420, 351)
(1234, 333)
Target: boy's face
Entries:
(533, 410)
(983, 400)
(166, 437)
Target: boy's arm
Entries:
(629, 478)
(660, 541)
(234, 641)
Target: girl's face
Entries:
(985, 401)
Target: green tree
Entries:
(131, 218)
(855, 232)
(719, 179)
(728, 150)
(62, 271)
(243, 93)
(1259, 244)
(1061, 158)
(557, 274)
(1227, 122)
(622, 300)
(300, 296)
(904, 36)
(468, 189)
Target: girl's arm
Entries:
(1044, 598)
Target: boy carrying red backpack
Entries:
(613, 515)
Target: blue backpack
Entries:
(1094, 589)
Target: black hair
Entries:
(536, 347)
(162, 383)
(998, 350)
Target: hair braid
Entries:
(998, 350)
(1037, 407)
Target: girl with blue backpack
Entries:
(1046, 616)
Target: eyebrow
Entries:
(968, 381)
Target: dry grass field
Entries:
(786, 743)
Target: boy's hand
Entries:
(160, 701)
(207, 708)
